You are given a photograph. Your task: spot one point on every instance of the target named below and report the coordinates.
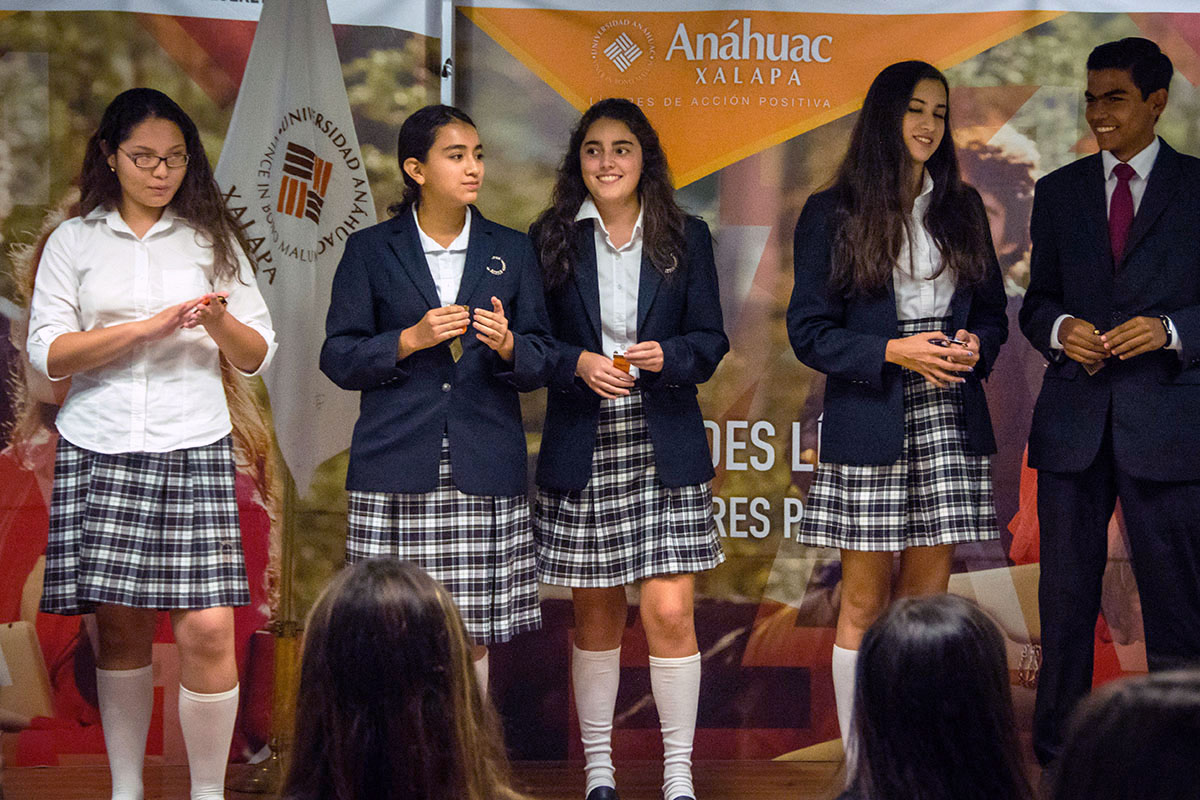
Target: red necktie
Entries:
(1120, 211)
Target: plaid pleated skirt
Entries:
(145, 530)
(937, 493)
(478, 546)
(624, 525)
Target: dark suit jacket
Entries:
(682, 312)
(1153, 399)
(845, 337)
(382, 286)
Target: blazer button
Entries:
(445, 387)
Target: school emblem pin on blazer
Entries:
(496, 266)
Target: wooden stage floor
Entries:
(715, 780)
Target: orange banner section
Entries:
(721, 85)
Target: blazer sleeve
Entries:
(533, 347)
(988, 317)
(355, 355)
(563, 355)
(692, 356)
(1043, 303)
(816, 315)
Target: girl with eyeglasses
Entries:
(141, 301)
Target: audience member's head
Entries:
(388, 706)
(932, 709)
(1135, 739)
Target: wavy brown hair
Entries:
(662, 218)
(198, 200)
(872, 219)
(389, 707)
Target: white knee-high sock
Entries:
(481, 673)
(207, 721)
(595, 677)
(126, 699)
(844, 662)
(675, 683)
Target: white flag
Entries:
(292, 173)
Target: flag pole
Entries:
(266, 776)
(447, 71)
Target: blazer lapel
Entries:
(1095, 210)
(585, 275)
(648, 283)
(407, 246)
(1160, 188)
(480, 248)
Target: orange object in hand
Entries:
(620, 362)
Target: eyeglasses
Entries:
(149, 161)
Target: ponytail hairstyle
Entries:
(415, 140)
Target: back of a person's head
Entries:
(932, 707)
(388, 706)
(1134, 739)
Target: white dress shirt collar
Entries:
(459, 245)
(588, 210)
(1142, 163)
(112, 217)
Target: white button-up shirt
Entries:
(918, 293)
(162, 395)
(446, 264)
(618, 271)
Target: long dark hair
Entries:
(389, 708)
(198, 199)
(932, 707)
(1138, 737)
(872, 222)
(662, 218)
(417, 135)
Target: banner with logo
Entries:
(294, 177)
(754, 108)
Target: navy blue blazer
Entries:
(682, 312)
(382, 286)
(846, 336)
(1153, 399)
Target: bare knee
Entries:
(125, 635)
(599, 617)
(670, 618)
(860, 608)
(205, 637)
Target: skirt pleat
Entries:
(624, 525)
(478, 546)
(145, 530)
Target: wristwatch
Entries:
(1166, 323)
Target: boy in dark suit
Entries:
(1114, 304)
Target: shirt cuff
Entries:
(1055, 344)
(1174, 343)
(268, 336)
(38, 350)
